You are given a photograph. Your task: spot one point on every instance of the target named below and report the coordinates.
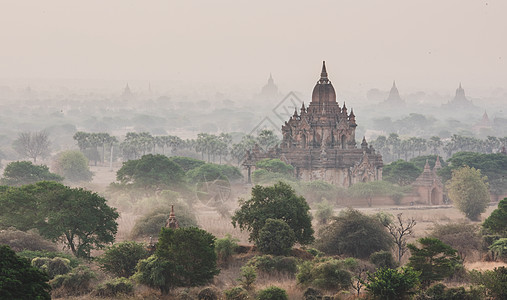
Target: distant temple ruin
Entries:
(320, 142)
(428, 187)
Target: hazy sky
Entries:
(431, 44)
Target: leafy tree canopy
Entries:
(393, 284)
(401, 172)
(275, 202)
(210, 172)
(187, 163)
(497, 221)
(275, 237)
(274, 165)
(25, 172)
(355, 234)
(468, 191)
(19, 280)
(73, 166)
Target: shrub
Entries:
(52, 266)
(271, 264)
(463, 237)
(73, 261)
(236, 293)
(121, 259)
(73, 166)
(324, 212)
(311, 294)
(275, 237)
(115, 287)
(499, 248)
(248, 276)
(272, 293)
(19, 240)
(76, 282)
(328, 273)
(225, 248)
(495, 281)
(392, 284)
(150, 224)
(441, 292)
(383, 259)
(208, 293)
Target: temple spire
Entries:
(323, 74)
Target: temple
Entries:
(460, 101)
(394, 98)
(320, 142)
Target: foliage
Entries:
(318, 190)
(499, 248)
(420, 161)
(328, 273)
(468, 190)
(440, 292)
(435, 260)
(52, 266)
(383, 259)
(399, 230)
(495, 281)
(275, 202)
(79, 218)
(19, 240)
(210, 172)
(463, 237)
(311, 294)
(353, 233)
(73, 261)
(497, 221)
(271, 264)
(265, 177)
(248, 276)
(187, 163)
(150, 173)
(324, 212)
(121, 259)
(73, 166)
(208, 293)
(150, 224)
(225, 248)
(76, 282)
(115, 287)
(275, 166)
(275, 237)
(32, 144)
(19, 173)
(236, 293)
(401, 172)
(272, 293)
(19, 280)
(183, 257)
(391, 284)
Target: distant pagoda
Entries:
(394, 98)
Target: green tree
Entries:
(401, 172)
(275, 202)
(19, 280)
(275, 237)
(463, 237)
(391, 284)
(272, 293)
(328, 273)
(497, 221)
(435, 260)
(187, 163)
(495, 281)
(185, 257)
(121, 259)
(468, 190)
(150, 173)
(73, 166)
(355, 234)
(19, 173)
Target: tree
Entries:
(32, 144)
(121, 259)
(272, 293)
(187, 163)
(328, 273)
(353, 233)
(150, 173)
(80, 219)
(400, 230)
(73, 166)
(275, 237)
(401, 172)
(391, 284)
(185, 257)
(435, 260)
(461, 236)
(19, 173)
(495, 281)
(497, 221)
(275, 202)
(468, 190)
(19, 280)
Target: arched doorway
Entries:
(343, 141)
(434, 197)
(303, 141)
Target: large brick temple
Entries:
(320, 142)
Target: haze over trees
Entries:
(32, 144)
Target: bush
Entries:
(52, 266)
(494, 281)
(311, 294)
(121, 259)
(150, 224)
(463, 237)
(499, 248)
(248, 276)
(383, 259)
(272, 293)
(236, 293)
(225, 248)
(76, 282)
(328, 273)
(354, 234)
(275, 237)
(73, 261)
(324, 212)
(19, 240)
(392, 284)
(208, 293)
(73, 166)
(441, 292)
(115, 287)
(271, 264)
